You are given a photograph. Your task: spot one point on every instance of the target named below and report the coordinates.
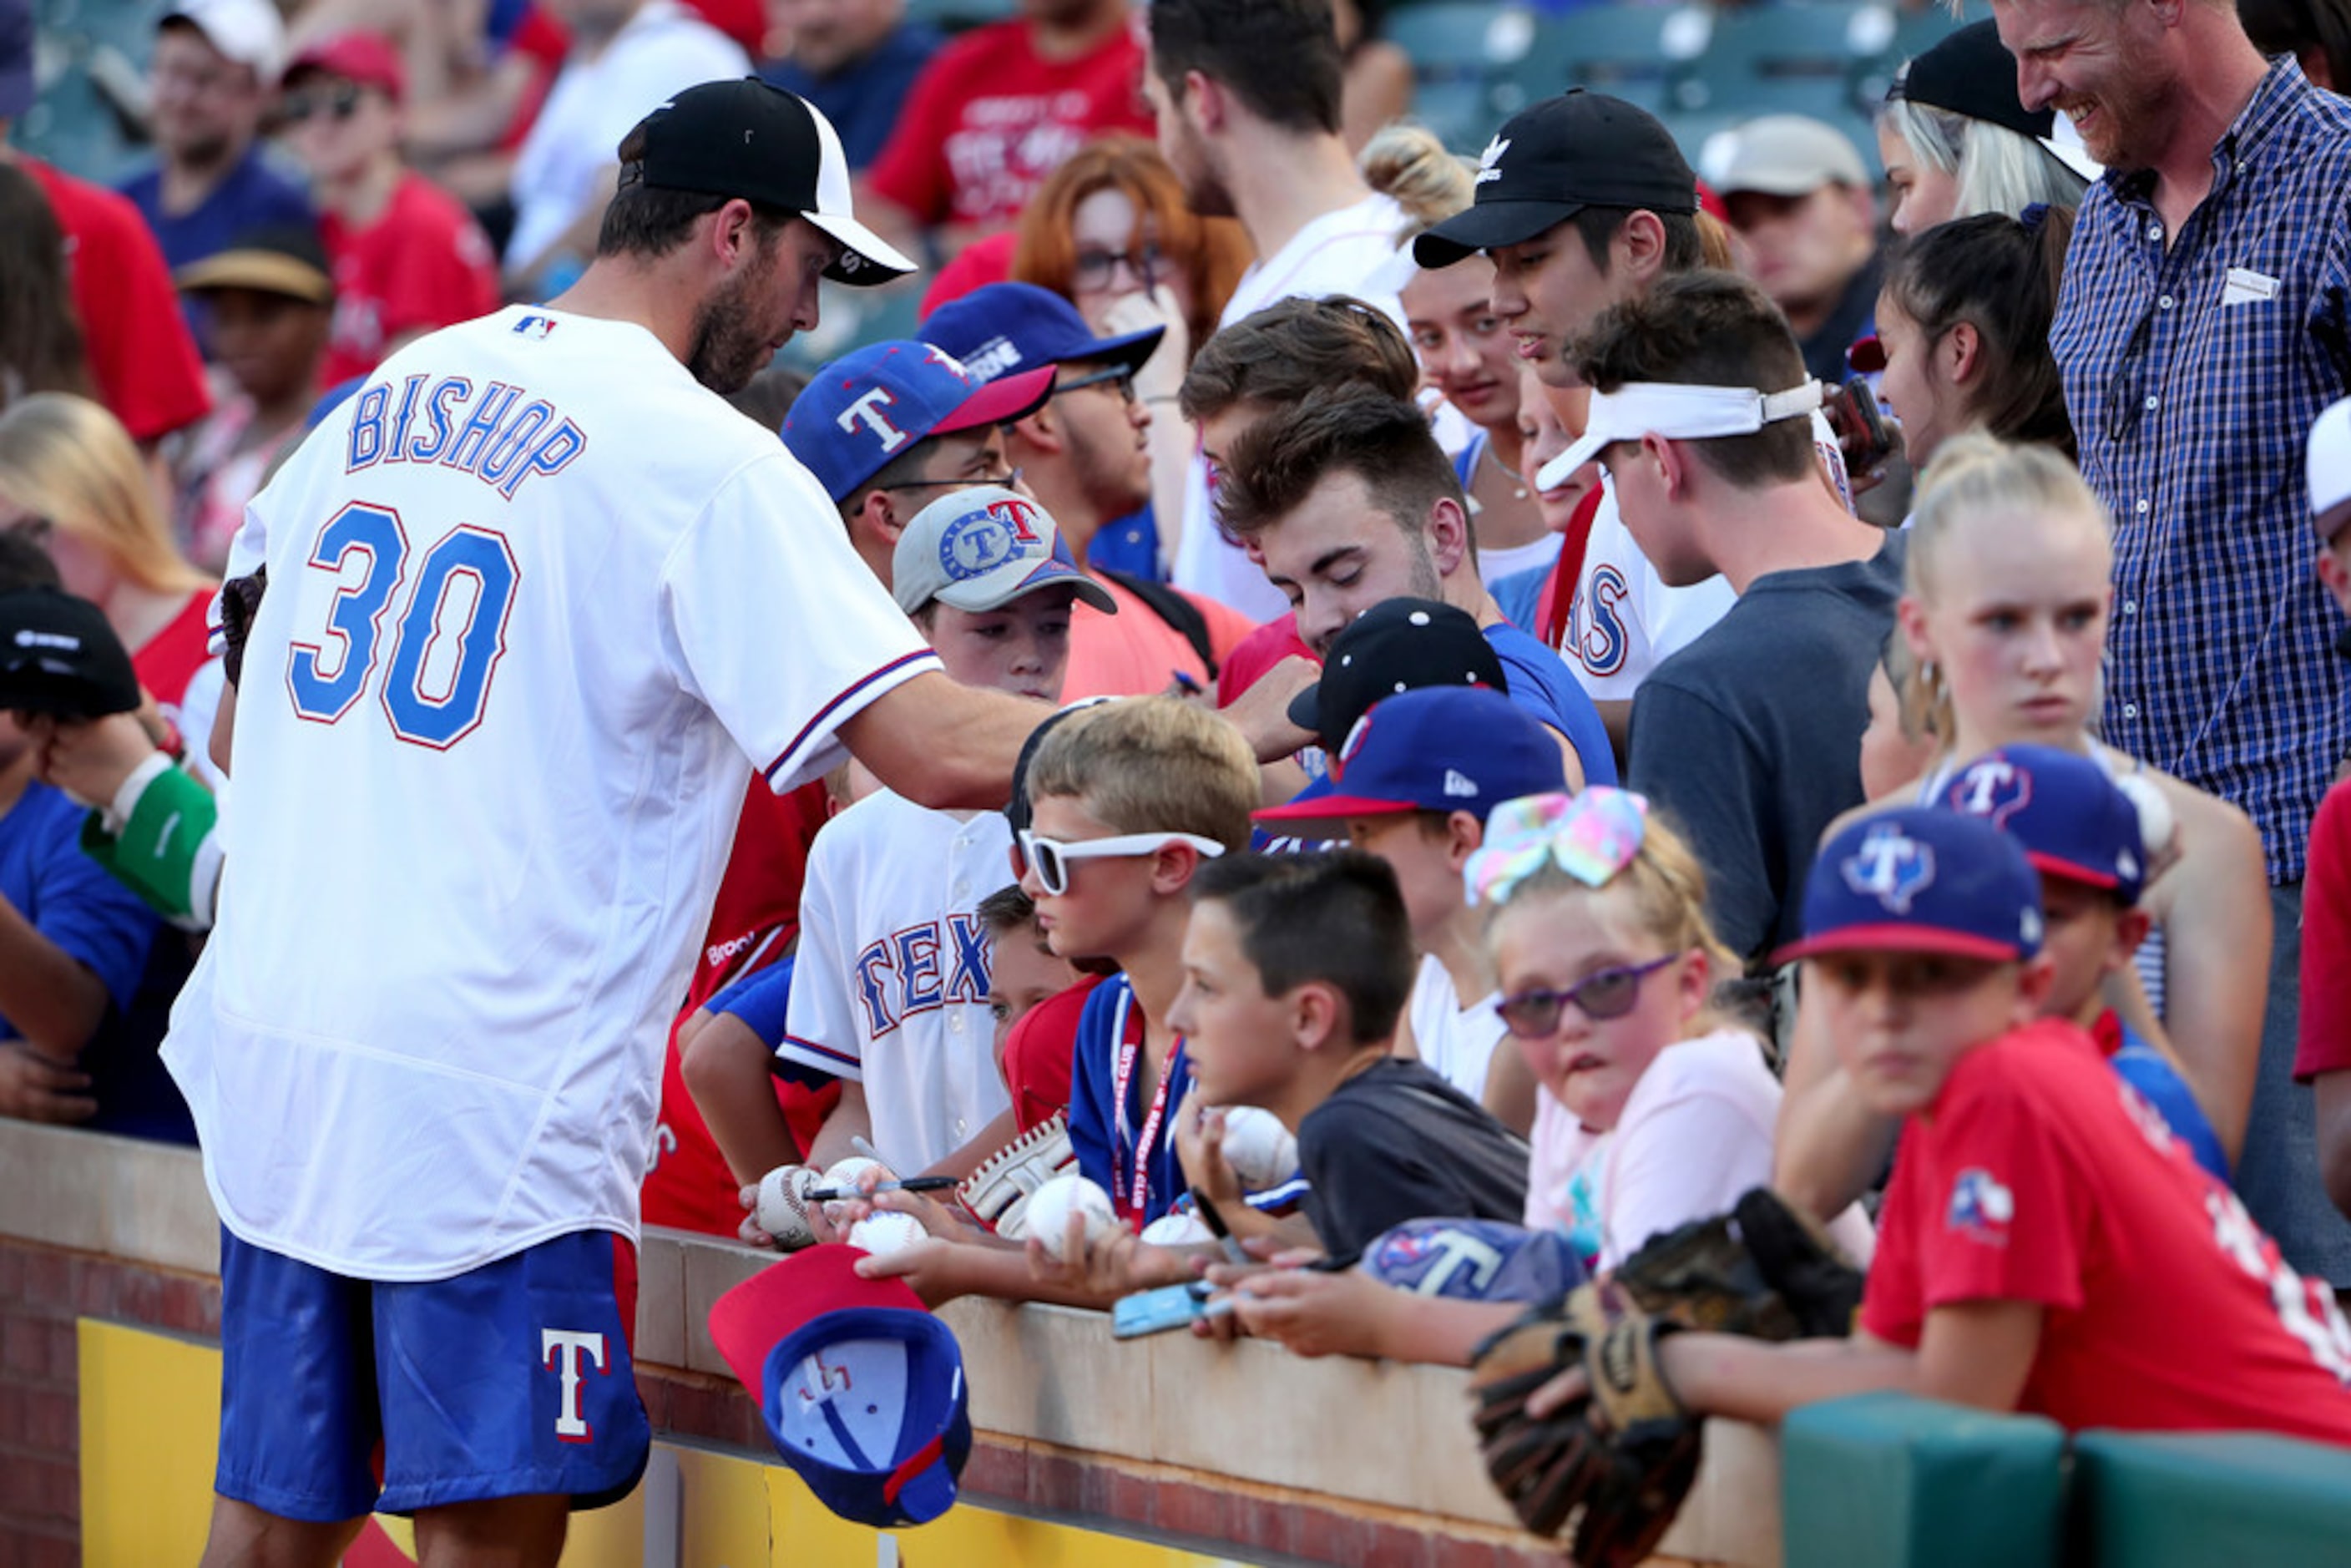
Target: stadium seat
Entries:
(1628, 50)
(1782, 59)
(1465, 58)
(2221, 1497)
(957, 15)
(1886, 1480)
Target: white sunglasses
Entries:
(1051, 857)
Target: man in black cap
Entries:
(1582, 201)
(535, 597)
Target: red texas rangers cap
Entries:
(861, 1388)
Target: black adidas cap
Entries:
(1549, 162)
(58, 657)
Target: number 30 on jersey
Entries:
(463, 588)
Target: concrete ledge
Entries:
(1348, 1436)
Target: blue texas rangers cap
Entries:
(1921, 880)
(1437, 748)
(862, 1390)
(865, 408)
(1474, 1260)
(2074, 822)
(980, 550)
(1006, 327)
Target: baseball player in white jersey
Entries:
(535, 593)
(890, 994)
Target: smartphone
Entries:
(1169, 1307)
(1862, 432)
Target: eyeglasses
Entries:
(2126, 398)
(339, 102)
(1099, 268)
(1010, 479)
(1118, 377)
(1609, 993)
(1051, 858)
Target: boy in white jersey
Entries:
(520, 636)
(890, 992)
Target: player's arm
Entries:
(725, 1067)
(1829, 1146)
(1971, 1352)
(942, 744)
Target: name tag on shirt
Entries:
(2245, 288)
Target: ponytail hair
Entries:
(1407, 164)
(2001, 276)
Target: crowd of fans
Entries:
(1505, 573)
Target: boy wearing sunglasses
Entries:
(1128, 800)
(889, 994)
(407, 257)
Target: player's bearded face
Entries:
(741, 324)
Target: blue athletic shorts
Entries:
(341, 1397)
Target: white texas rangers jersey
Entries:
(891, 988)
(534, 594)
(1625, 620)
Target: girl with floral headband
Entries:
(1656, 1109)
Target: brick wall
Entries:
(42, 1290)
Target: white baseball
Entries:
(841, 1176)
(1051, 1205)
(783, 1204)
(1262, 1151)
(1185, 1229)
(885, 1232)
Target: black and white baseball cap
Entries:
(748, 139)
(1551, 162)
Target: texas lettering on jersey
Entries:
(921, 969)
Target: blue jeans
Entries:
(2277, 1174)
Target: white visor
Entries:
(1680, 413)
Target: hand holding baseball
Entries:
(1200, 1146)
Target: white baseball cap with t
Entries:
(980, 550)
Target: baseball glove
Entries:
(1625, 1451)
(998, 1192)
(240, 601)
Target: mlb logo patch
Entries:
(1981, 1209)
(537, 328)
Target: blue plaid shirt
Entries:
(2194, 374)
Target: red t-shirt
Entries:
(751, 926)
(422, 263)
(987, 120)
(1039, 1052)
(2326, 1027)
(141, 355)
(2040, 1176)
(169, 660)
(1256, 654)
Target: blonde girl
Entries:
(2004, 620)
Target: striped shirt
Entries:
(2194, 374)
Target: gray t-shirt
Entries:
(1749, 738)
